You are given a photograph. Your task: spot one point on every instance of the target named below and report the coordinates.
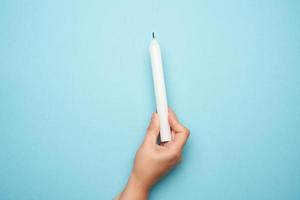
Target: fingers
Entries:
(153, 129)
(181, 138)
(181, 133)
(172, 117)
(174, 123)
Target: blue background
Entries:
(76, 96)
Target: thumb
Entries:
(153, 129)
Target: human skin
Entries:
(152, 160)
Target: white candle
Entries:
(160, 90)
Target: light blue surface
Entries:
(76, 96)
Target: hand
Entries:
(153, 160)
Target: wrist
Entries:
(135, 189)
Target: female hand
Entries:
(153, 160)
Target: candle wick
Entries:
(153, 35)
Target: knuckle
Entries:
(187, 131)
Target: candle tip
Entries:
(153, 35)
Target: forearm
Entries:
(134, 190)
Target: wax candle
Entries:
(160, 90)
